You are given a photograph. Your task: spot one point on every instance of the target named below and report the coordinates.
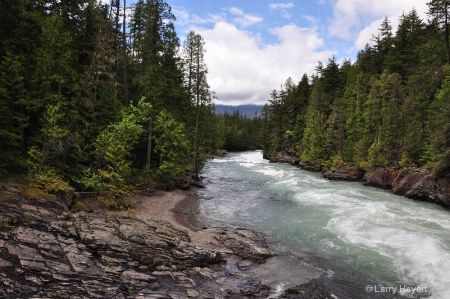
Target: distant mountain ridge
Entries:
(247, 110)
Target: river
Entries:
(403, 245)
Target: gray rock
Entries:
(47, 252)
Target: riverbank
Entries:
(248, 256)
(414, 183)
(50, 252)
(155, 250)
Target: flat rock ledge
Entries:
(48, 252)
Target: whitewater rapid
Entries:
(402, 244)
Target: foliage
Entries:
(75, 91)
(438, 149)
(80, 206)
(50, 182)
(76, 87)
(90, 181)
(173, 149)
(389, 108)
(113, 149)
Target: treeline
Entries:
(92, 100)
(239, 132)
(389, 108)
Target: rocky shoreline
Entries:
(415, 183)
(48, 251)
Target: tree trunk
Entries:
(447, 41)
(149, 144)
(124, 45)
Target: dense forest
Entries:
(245, 110)
(390, 108)
(104, 98)
(101, 100)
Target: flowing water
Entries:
(401, 244)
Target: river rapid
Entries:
(401, 244)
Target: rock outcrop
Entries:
(288, 158)
(310, 166)
(49, 252)
(415, 183)
(221, 152)
(345, 173)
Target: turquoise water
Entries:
(400, 243)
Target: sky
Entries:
(254, 46)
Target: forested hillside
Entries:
(100, 100)
(389, 108)
(245, 110)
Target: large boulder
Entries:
(381, 177)
(285, 158)
(310, 166)
(344, 172)
(416, 183)
(421, 184)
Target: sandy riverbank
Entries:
(301, 271)
(172, 206)
(180, 208)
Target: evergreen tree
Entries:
(302, 94)
(314, 138)
(12, 100)
(151, 21)
(356, 144)
(437, 150)
(197, 90)
(173, 147)
(440, 11)
(408, 38)
(384, 43)
(381, 117)
(265, 130)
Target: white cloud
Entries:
(281, 5)
(243, 71)
(284, 7)
(359, 20)
(238, 16)
(365, 36)
(243, 68)
(348, 15)
(243, 19)
(184, 18)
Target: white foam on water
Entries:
(221, 160)
(417, 254)
(246, 164)
(271, 172)
(408, 240)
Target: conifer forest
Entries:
(389, 108)
(96, 99)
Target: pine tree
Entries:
(440, 11)
(314, 138)
(408, 38)
(197, 90)
(302, 94)
(381, 118)
(13, 120)
(437, 151)
(356, 143)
